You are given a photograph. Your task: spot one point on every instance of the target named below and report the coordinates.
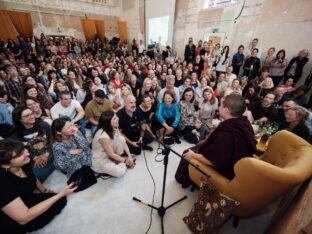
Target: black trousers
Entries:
(169, 122)
(137, 150)
(10, 226)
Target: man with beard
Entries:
(133, 126)
(264, 110)
(96, 107)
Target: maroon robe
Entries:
(232, 140)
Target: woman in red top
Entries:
(116, 79)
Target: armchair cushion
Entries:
(211, 209)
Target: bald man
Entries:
(132, 125)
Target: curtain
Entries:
(122, 29)
(22, 23)
(88, 27)
(7, 30)
(100, 28)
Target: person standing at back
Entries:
(189, 51)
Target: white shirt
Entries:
(141, 48)
(99, 155)
(230, 78)
(58, 111)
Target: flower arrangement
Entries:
(268, 129)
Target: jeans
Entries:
(93, 129)
(43, 172)
(82, 126)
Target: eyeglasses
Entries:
(28, 115)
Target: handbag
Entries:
(168, 140)
(83, 178)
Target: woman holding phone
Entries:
(22, 210)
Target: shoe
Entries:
(147, 147)
(102, 176)
(177, 140)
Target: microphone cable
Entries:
(158, 153)
(154, 191)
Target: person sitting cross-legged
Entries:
(168, 116)
(108, 146)
(133, 126)
(70, 148)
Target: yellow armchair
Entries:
(258, 182)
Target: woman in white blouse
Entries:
(108, 146)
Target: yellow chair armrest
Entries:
(217, 179)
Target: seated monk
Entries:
(232, 140)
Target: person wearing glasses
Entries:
(36, 137)
(22, 210)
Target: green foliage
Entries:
(267, 129)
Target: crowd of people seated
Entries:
(71, 105)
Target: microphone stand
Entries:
(161, 210)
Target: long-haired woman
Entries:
(188, 115)
(207, 109)
(108, 146)
(223, 60)
(36, 136)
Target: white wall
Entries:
(284, 24)
(160, 8)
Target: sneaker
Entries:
(177, 140)
(147, 147)
(102, 176)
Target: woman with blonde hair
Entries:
(266, 86)
(269, 58)
(114, 96)
(125, 91)
(155, 86)
(146, 88)
(210, 57)
(207, 109)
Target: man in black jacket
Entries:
(189, 52)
